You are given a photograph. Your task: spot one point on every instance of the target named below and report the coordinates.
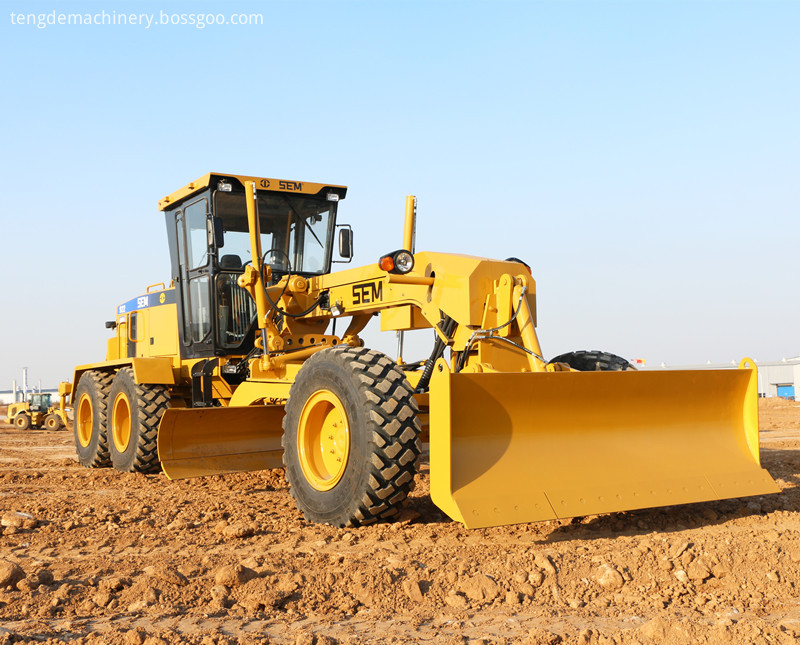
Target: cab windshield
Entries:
(40, 402)
(296, 231)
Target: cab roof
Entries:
(263, 184)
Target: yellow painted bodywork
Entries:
(512, 438)
(461, 286)
(220, 440)
(261, 183)
(323, 440)
(64, 392)
(84, 413)
(508, 448)
(120, 422)
(15, 409)
(159, 371)
(410, 224)
(152, 351)
(38, 418)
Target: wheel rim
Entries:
(84, 419)
(121, 423)
(323, 440)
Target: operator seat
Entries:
(230, 262)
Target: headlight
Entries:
(401, 261)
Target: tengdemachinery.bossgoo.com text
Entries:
(126, 19)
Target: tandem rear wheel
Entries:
(89, 425)
(116, 421)
(135, 411)
(351, 437)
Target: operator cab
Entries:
(209, 241)
(39, 402)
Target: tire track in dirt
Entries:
(108, 557)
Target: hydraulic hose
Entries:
(447, 326)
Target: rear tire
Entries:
(22, 421)
(593, 361)
(134, 416)
(53, 422)
(89, 425)
(351, 437)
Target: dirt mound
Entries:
(776, 413)
(777, 402)
(96, 556)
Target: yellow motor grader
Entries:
(237, 365)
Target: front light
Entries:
(403, 261)
(225, 187)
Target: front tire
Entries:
(53, 422)
(22, 421)
(134, 416)
(89, 426)
(351, 437)
(593, 361)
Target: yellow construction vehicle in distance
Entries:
(236, 364)
(39, 412)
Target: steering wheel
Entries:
(279, 264)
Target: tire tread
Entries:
(151, 402)
(101, 382)
(394, 442)
(593, 361)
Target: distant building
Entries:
(7, 396)
(778, 378)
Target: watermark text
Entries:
(142, 20)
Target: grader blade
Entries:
(193, 442)
(509, 448)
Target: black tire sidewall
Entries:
(89, 455)
(22, 421)
(124, 383)
(328, 506)
(593, 361)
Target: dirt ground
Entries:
(95, 556)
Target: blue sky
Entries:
(641, 156)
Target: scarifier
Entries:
(235, 366)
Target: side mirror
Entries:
(216, 234)
(346, 243)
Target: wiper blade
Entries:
(304, 221)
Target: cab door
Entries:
(194, 278)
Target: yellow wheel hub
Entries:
(323, 440)
(121, 423)
(84, 419)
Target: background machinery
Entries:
(39, 412)
(237, 365)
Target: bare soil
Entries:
(95, 556)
